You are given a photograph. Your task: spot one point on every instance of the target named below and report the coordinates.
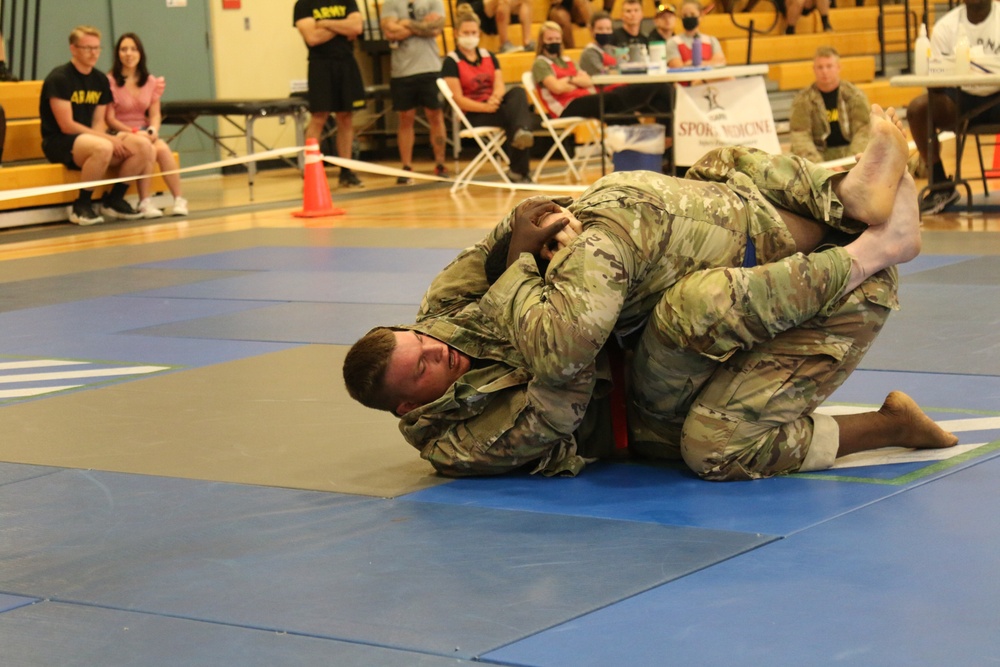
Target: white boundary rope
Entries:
(356, 165)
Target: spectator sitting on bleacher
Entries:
(792, 10)
(495, 17)
(831, 118)
(475, 79)
(679, 48)
(981, 21)
(136, 108)
(74, 130)
(566, 13)
(663, 22)
(630, 31)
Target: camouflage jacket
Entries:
(810, 128)
(499, 416)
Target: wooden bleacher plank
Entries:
(20, 100)
(802, 47)
(799, 74)
(24, 141)
(721, 26)
(886, 95)
(513, 65)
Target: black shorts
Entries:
(419, 90)
(58, 149)
(335, 85)
(488, 24)
(967, 102)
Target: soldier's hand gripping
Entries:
(526, 235)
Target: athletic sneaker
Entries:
(938, 200)
(441, 171)
(348, 179)
(531, 46)
(180, 206)
(83, 214)
(405, 180)
(119, 209)
(148, 210)
(507, 47)
(520, 179)
(523, 139)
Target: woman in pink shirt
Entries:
(136, 108)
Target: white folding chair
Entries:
(489, 138)
(559, 129)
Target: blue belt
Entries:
(750, 255)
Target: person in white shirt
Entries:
(981, 21)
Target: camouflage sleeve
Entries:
(560, 324)
(463, 280)
(800, 128)
(524, 424)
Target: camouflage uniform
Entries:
(639, 268)
(810, 127)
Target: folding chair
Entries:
(489, 138)
(559, 129)
(992, 131)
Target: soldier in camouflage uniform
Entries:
(640, 267)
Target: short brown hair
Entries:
(599, 15)
(81, 30)
(365, 366)
(826, 52)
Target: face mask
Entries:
(690, 22)
(603, 38)
(467, 42)
(554, 49)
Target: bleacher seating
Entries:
(24, 164)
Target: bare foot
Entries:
(915, 429)
(895, 242)
(869, 189)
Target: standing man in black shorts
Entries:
(75, 134)
(329, 28)
(413, 26)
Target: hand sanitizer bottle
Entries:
(963, 58)
(922, 52)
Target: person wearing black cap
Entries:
(666, 16)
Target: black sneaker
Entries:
(519, 179)
(348, 179)
(441, 171)
(119, 209)
(404, 180)
(83, 214)
(938, 200)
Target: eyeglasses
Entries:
(92, 49)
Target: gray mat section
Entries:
(453, 581)
(15, 472)
(92, 284)
(941, 329)
(977, 271)
(51, 633)
(333, 323)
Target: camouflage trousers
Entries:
(733, 362)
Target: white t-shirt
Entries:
(985, 34)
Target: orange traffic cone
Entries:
(316, 200)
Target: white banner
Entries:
(736, 112)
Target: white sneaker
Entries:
(180, 206)
(148, 210)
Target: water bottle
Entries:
(963, 57)
(922, 52)
(696, 51)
